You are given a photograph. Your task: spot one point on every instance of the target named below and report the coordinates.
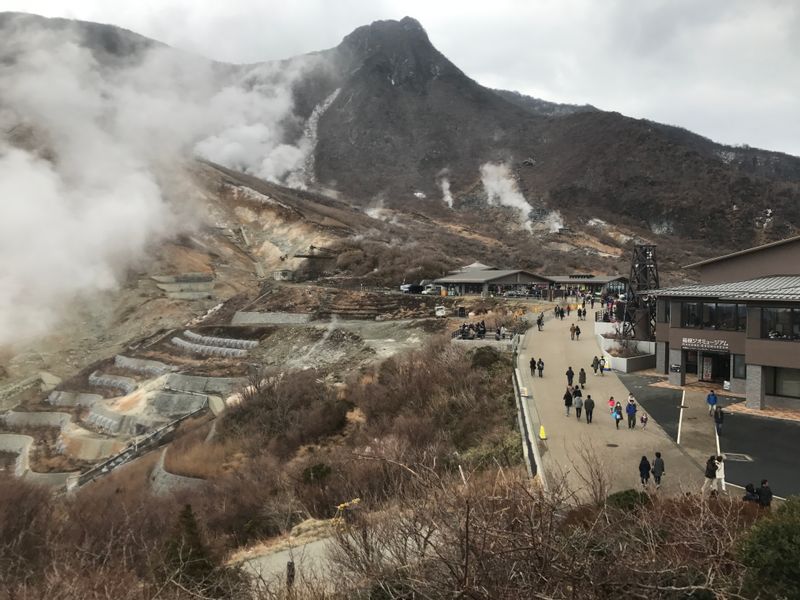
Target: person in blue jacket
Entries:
(630, 410)
(711, 400)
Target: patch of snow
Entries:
(419, 195)
(597, 223)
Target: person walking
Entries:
(570, 376)
(533, 366)
(711, 400)
(764, 493)
(710, 474)
(577, 333)
(611, 404)
(572, 332)
(644, 419)
(595, 364)
(718, 418)
(588, 407)
(644, 471)
(601, 364)
(617, 414)
(720, 474)
(630, 410)
(582, 378)
(569, 308)
(577, 402)
(658, 469)
(540, 366)
(567, 401)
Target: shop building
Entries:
(488, 281)
(738, 327)
(482, 279)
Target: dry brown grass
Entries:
(200, 459)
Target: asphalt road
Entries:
(773, 445)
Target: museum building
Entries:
(739, 327)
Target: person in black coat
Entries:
(540, 366)
(710, 475)
(764, 494)
(570, 376)
(588, 406)
(718, 418)
(750, 493)
(533, 366)
(644, 471)
(567, 401)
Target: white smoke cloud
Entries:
(444, 185)
(502, 189)
(89, 154)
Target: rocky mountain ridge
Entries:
(393, 119)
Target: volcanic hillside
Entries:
(389, 119)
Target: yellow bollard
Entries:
(542, 434)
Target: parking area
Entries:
(757, 447)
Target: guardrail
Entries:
(135, 449)
(527, 445)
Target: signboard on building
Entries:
(688, 343)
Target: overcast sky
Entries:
(727, 69)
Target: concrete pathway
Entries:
(573, 444)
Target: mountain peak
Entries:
(398, 52)
(406, 29)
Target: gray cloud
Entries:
(727, 69)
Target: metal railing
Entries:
(135, 449)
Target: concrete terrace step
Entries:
(19, 445)
(36, 419)
(124, 384)
(73, 399)
(270, 318)
(204, 350)
(141, 365)
(186, 286)
(183, 278)
(219, 341)
(190, 295)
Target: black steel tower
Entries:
(640, 309)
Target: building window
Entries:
(741, 321)
(713, 315)
(709, 315)
(780, 324)
(667, 311)
(726, 316)
(690, 314)
(784, 382)
(739, 366)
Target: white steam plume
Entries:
(502, 189)
(88, 154)
(444, 184)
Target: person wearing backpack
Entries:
(567, 401)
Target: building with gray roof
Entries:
(740, 326)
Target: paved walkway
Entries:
(571, 442)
